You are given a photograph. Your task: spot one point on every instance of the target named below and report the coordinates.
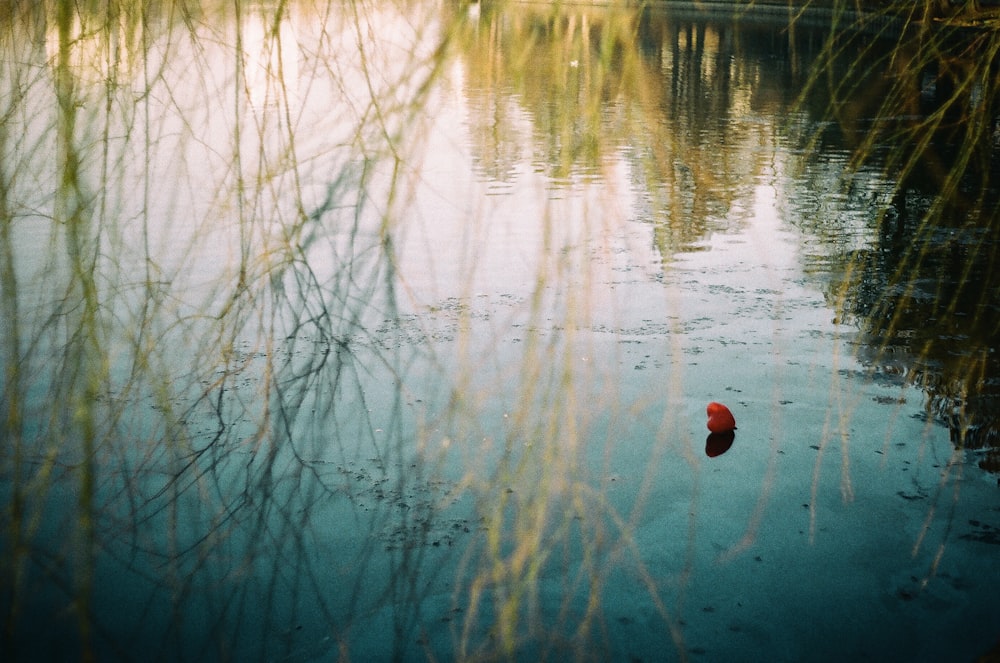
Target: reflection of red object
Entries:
(720, 419)
(719, 443)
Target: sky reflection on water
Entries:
(388, 332)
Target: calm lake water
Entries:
(387, 333)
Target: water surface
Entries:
(387, 333)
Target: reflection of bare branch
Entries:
(184, 429)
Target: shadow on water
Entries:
(347, 331)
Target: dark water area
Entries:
(347, 332)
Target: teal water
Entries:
(326, 342)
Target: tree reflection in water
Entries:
(925, 294)
(280, 381)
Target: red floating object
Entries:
(720, 419)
